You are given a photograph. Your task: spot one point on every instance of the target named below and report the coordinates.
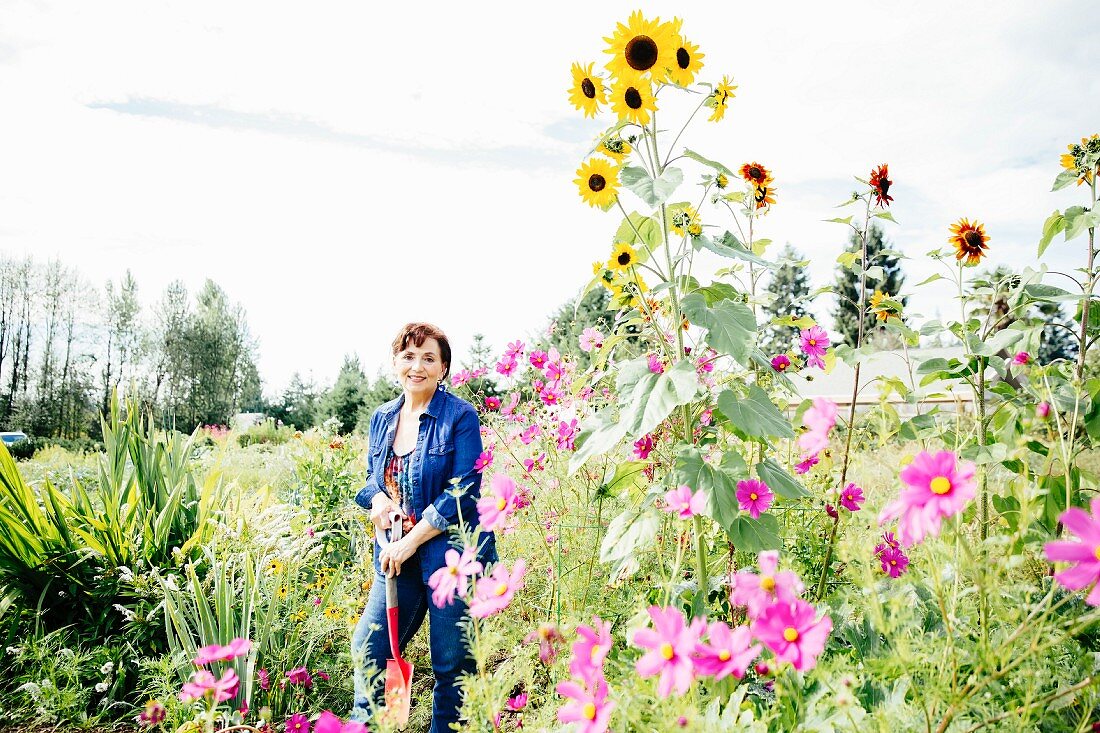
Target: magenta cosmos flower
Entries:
(685, 503)
(1042, 410)
(727, 651)
(894, 561)
(1085, 554)
(671, 643)
(297, 723)
(218, 653)
(484, 460)
(814, 342)
(781, 362)
(300, 676)
(754, 497)
(202, 683)
(643, 446)
(656, 365)
(494, 592)
(590, 339)
(1021, 358)
(495, 509)
(589, 707)
(590, 650)
(453, 578)
(852, 497)
(939, 486)
(819, 419)
(757, 592)
(793, 632)
(330, 723)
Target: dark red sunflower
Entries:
(880, 185)
(970, 241)
(755, 173)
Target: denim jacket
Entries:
(447, 445)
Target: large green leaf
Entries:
(779, 481)
(719, 483)
(754, 535)
(654, 191)
(754, 416)
(1054, 224)
(627, 535)
(729, 246)
(641, 232)
(731, 326)
(706, 161)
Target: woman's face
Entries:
(419, 368)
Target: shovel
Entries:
(398, 694)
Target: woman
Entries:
(419, 442)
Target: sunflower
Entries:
(615, 147)
(880, 185)
(1074, 160)
(686, 217)
(719, 97)
(970, 241)
(883, 308)
(687, 61)
(633, 101)
(763, 195)
(274, 566)
(755, 173)
(641, 49)
(721, 181)
(623, 257)
(587, 93)
(598, 181)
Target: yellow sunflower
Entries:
(763, 195)
(641, 48)
(1074, 160)
(685, 217)
(686, 59)
(882, 306)
(721, 181)
(623, 257)
(970, 241)
(718, 98)
(615, 147)
(633, 101)
(598, 181)
(587, 92)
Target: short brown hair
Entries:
(416, 334)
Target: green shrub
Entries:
(266, 432)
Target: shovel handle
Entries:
(391, 591)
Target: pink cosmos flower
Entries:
(495, 508)
(537, 359)
(534, 463)
(322, 675)
(705, 416)
(814, 342)
(492, 403)
(590, 339)
(852, 497)
(589, 707)
(300, 676)
(806, 465)
(685, 503)
(507, 366)
(530, 434)
(781, 362)
(643, 446)
(1042, 410)
(831, 511)
(819, 419)
(513, 401)
(453, 578)
(727, 651)
(1085, 553)
(202, 683)
(793, 632)
(671, 644)
(758, 592)
(567, 434)
(590, 650)
(548, 637)
(939, 486)
(265, 680)
(754, 497)
(555, 370)
(550, 395)
(894, 561)
(494, 592)
(655, 364)
(517, 703)
(219, 653)
(329, 723)
(297, 723)
(461, 377)
(515, 349)
(1021, 358)
(483, 461)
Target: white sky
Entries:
(340, 169)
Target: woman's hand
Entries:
(381, 509)
(395, 553)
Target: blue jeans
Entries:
(370, 645)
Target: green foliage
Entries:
(265, 433)
(883, 274)
(346, 398)
(789, 289)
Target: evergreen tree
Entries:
(790, 290)
(381, 390)
(846, 315)
(571, 319)
(347, 395)
(1058, 343)
(481, 357)
(299, 405)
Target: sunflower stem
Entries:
(681, 132)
